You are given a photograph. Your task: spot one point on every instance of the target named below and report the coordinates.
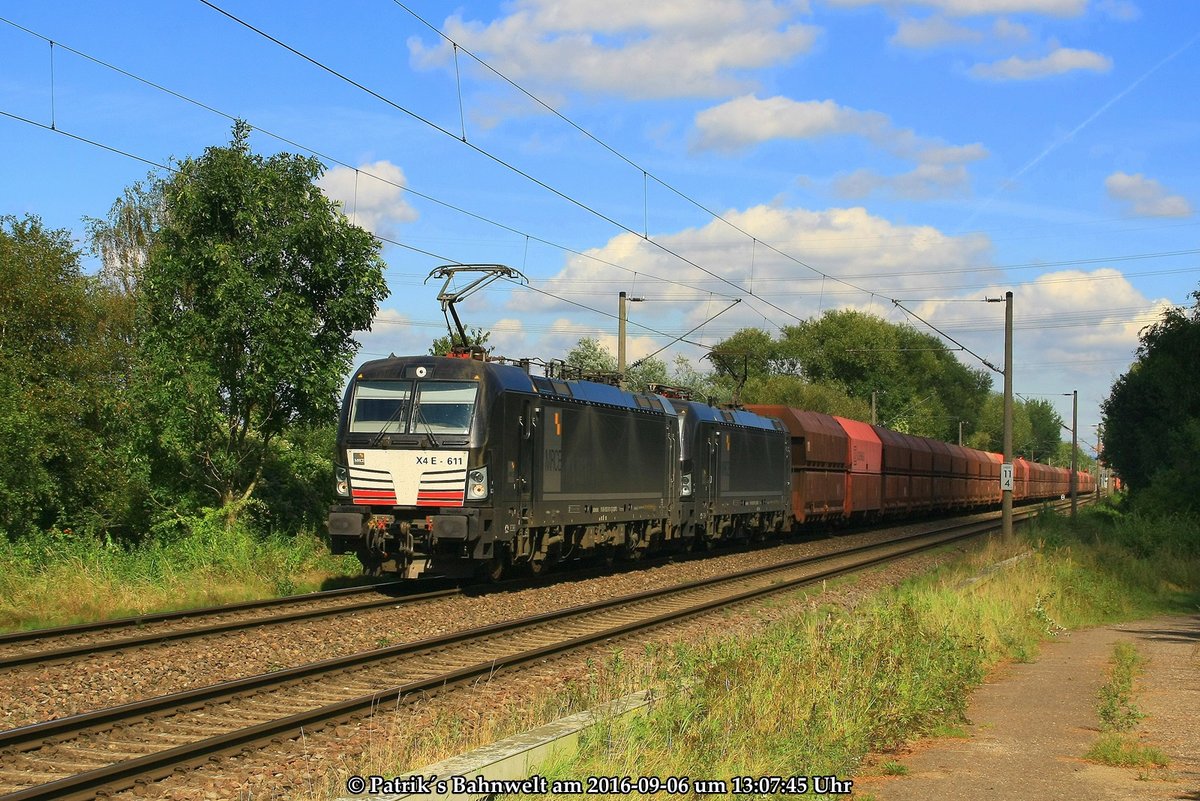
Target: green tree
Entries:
(750, 353)
(122, 239)
(252, 287)
(62, 402)
(1046, 429)
(921, 387)
(1152, 415)
(592, 358)
(702, 385)
(1062, 457)
(792, 391)
(988, 435)
(475, 337)
(589, 356)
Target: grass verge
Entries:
(60, 577)
(815, 692)
(791, 687)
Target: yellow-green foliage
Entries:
(821, 688)
(1115, 705)
(63, 577)
(1125, 752)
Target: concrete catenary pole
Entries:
(1074, 448)
(621, 337)
(1006, 498)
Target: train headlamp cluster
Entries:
(341, 478)
(477, 485)
(685, 485)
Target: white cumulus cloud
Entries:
(925, 182)
(938, 31)
(631, 48)
(749, 120)
(972, 8)
(1060, 61)
(1146, 197)
(1120, 10)
(933, 32)
(844, 242)
(371, 196)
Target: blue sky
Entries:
(854, 152)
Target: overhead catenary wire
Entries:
(432, 254)
(645, 172)
(85, 140)
(493, 157)
(753, 238)
(690, 331)
(944, 335)
(327, 158)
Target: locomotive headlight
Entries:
(477, 486)
(341, 478)
(685, 484)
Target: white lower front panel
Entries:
(407, 478)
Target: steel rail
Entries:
(171, 635)
(84, 785)
(144, 639)
(134, 621)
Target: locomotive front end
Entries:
(411, 468)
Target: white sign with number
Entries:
(1006, 477)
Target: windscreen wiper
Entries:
(428, 429)
(401, 408)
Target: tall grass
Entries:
(61, 577)
(817, 691)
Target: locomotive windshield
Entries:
(442, 407)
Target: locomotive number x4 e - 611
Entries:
(457, 464)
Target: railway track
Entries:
(65, 643)
(39, 646)
(108, 749)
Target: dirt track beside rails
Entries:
(1032, 723)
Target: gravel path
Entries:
(1032, 723)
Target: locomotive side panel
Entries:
(607, 464)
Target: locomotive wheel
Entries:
(371, 552)
(629, 550)
(499, 566)
(372, 562)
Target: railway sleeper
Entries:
(84, 756)
(11, 780)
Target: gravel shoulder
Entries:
(1030, 725)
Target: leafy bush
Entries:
(62, 576)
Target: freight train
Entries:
(454, 465)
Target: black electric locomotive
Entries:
(456, 465)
